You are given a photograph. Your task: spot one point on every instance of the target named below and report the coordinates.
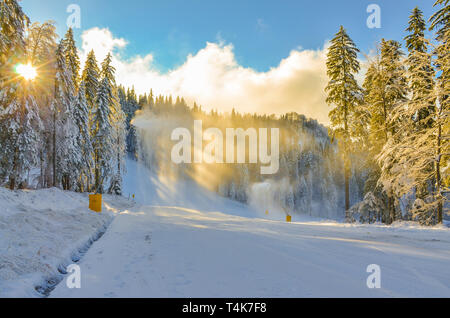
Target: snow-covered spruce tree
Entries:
(440, 22)
(376, 115)
(375, 119)
(385, 87)
(345, 93)
(19, 122)
(409, 153)
(20, 131)
(102, 128)
(421, 80)
(83, 140)
(66, 158)
(130, 107)
(72, 59)
(91, 77)
(118, 133)
(412, 156)
(101, 136)
(119, 147)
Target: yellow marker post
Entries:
(267, 212)
(288, 218)
(95, 202)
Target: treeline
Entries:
(399, 117)
(65, 127)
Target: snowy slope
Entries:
(43, 231)
(183, 241)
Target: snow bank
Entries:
(41, 232)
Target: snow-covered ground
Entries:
(41, 232)
(182, 241)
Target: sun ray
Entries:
(27, 71)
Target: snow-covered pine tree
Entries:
(130, 108)
(118, 133)
(19, 120)
(440, 22)
(102, 133)
(344, 93)
(409, 153)
(72, 59)
(66, 158)
(119, 147)
(90, 77)
(83, 140)
(411, 158)
(385, 88)
(375, 123)
(421, 80)
(20, 129)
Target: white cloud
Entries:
(101, 41)
(214, 79)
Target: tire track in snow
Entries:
(49, 284)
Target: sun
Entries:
(27, 71)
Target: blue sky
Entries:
(253, 55)
(262, 32)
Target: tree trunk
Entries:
(346, 167)
(97, 173)
(391, 209)
(438, 175)
(12, 183)
(347, 187)
(54, 149)
(13, 176)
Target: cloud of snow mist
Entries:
(213, 78)
(155, 148)
(154, 144)
(280, 195)
(266, 196)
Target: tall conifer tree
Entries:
(91, 77)
(345, 94)
(72, 59)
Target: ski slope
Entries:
(183, 241)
